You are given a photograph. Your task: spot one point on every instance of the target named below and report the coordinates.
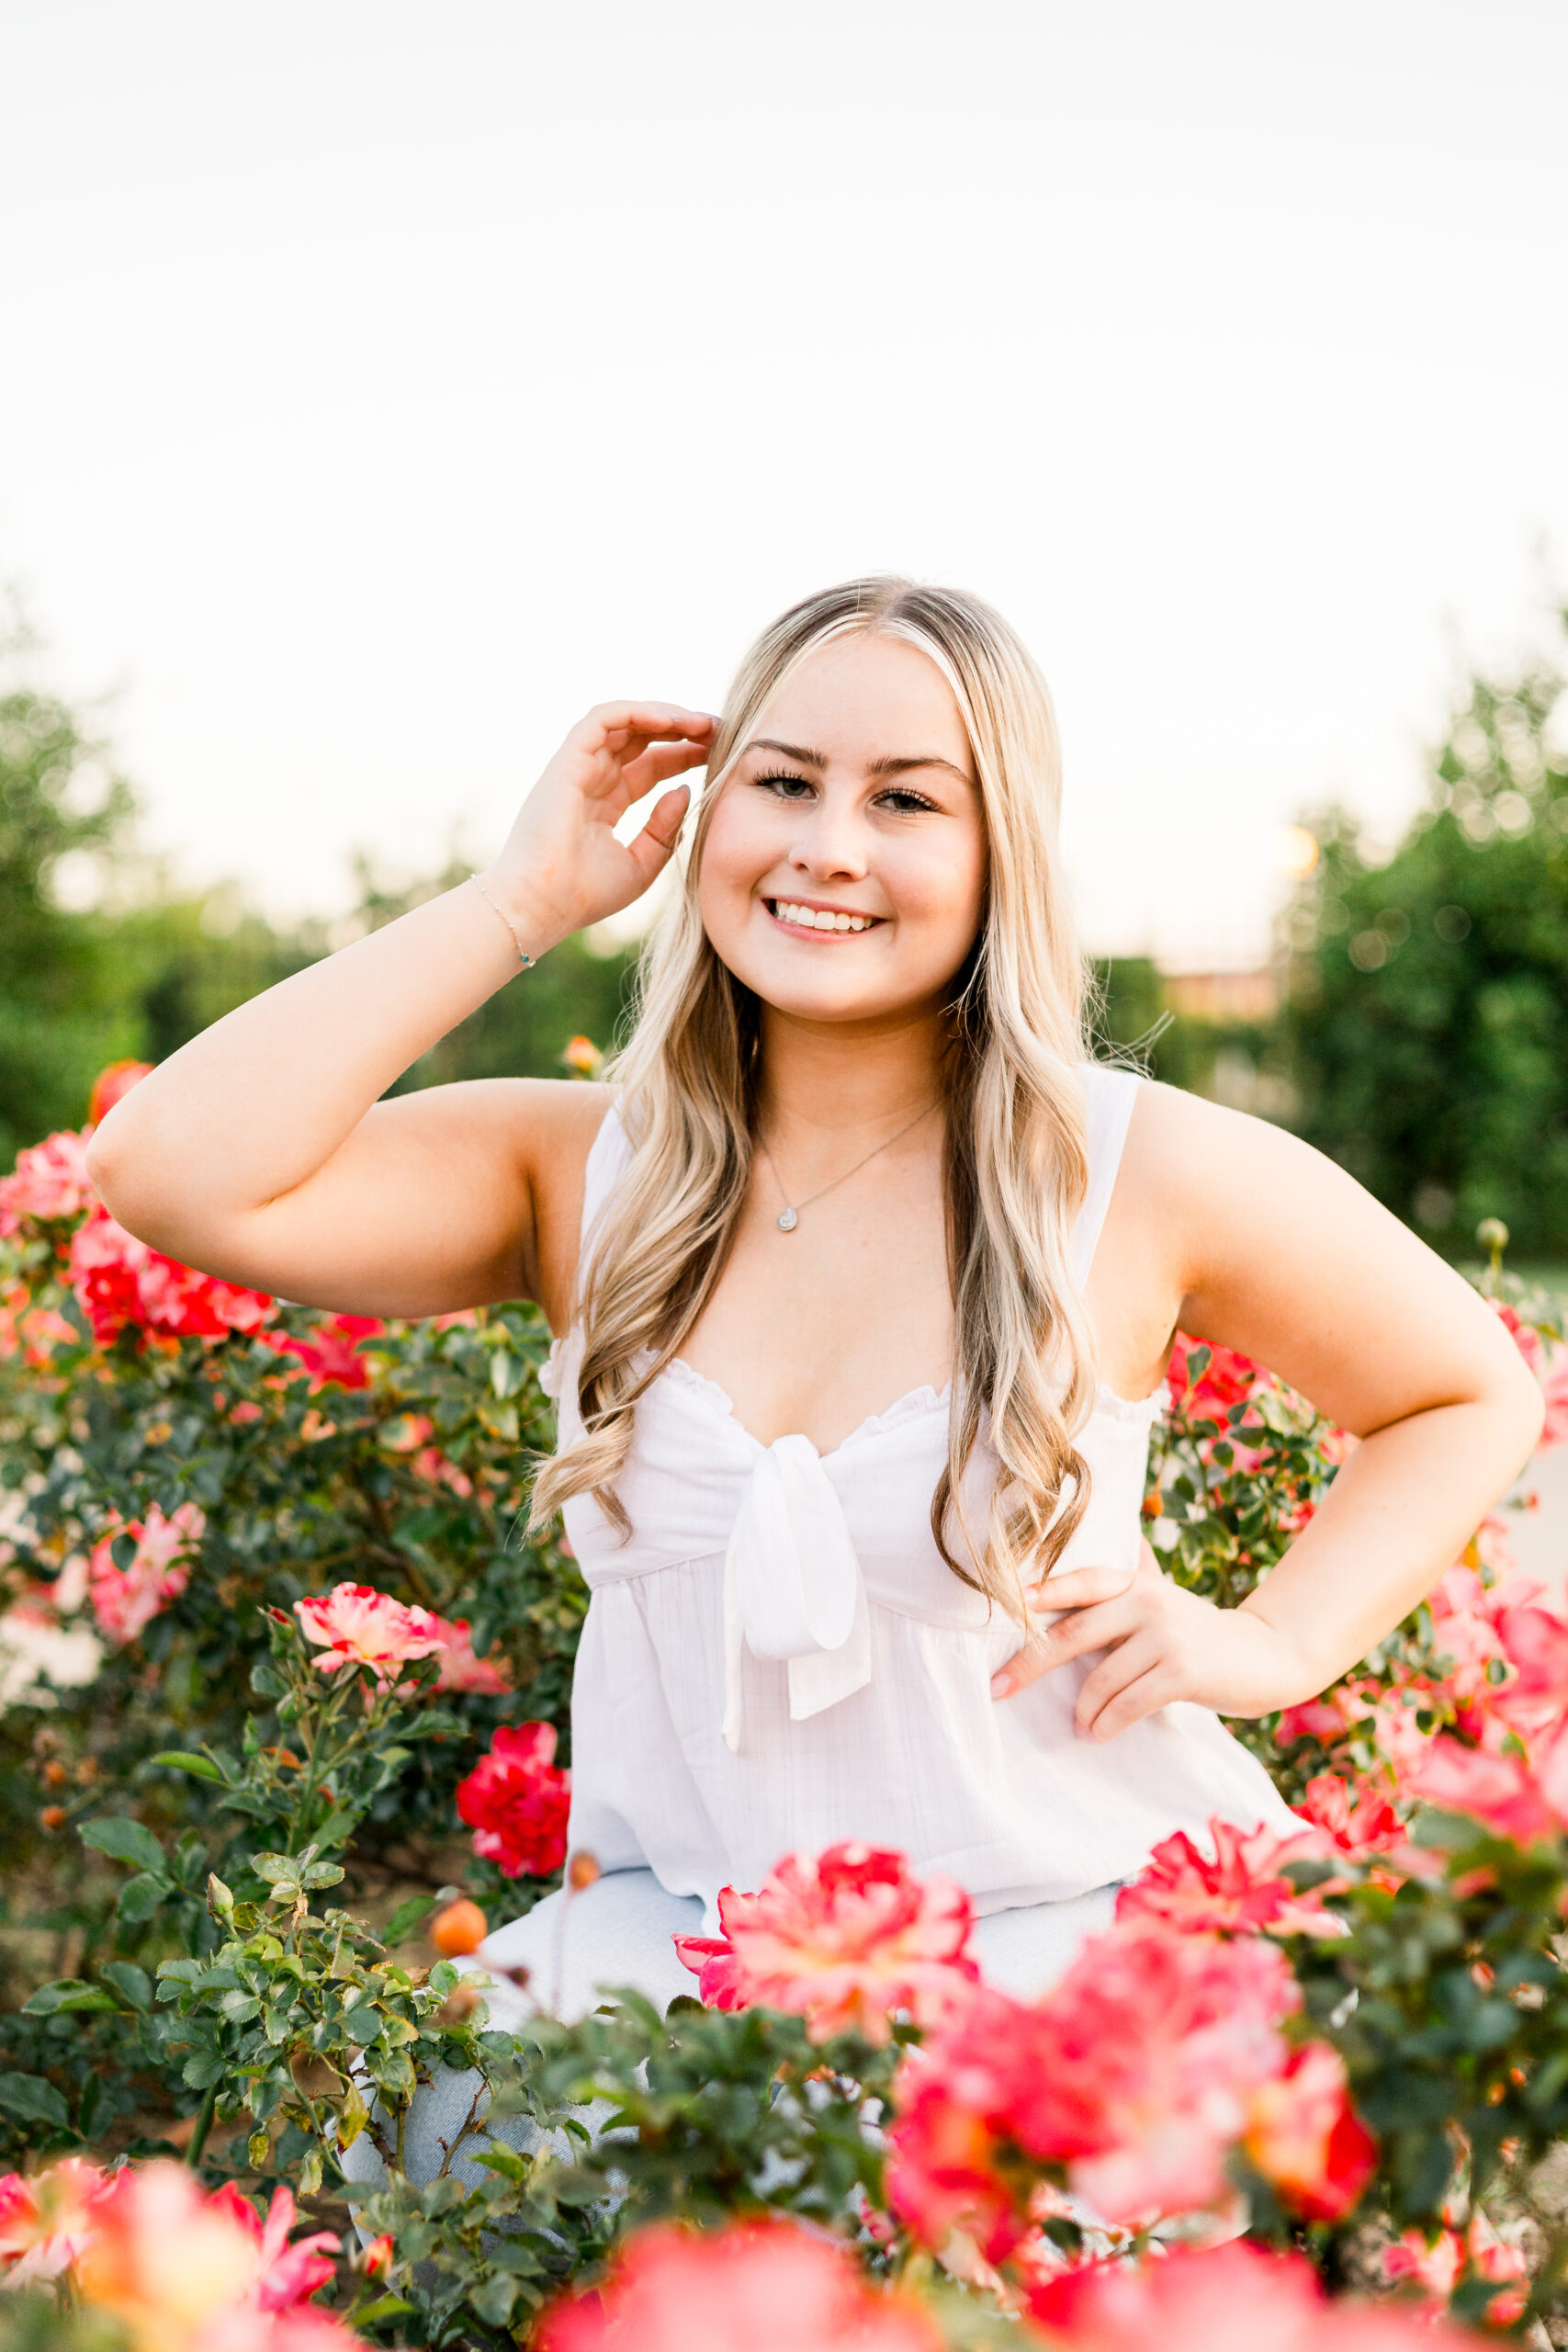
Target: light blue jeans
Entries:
(618, 1931)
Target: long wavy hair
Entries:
(1015, 1162)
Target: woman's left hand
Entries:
(1160, 1642)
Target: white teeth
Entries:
(819, 918)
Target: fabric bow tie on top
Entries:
(793, 1588)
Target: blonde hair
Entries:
(1015, 1162)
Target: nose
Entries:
(829, 843)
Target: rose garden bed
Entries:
(284, 1688)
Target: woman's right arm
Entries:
(262, 1151)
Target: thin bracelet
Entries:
(506, 919)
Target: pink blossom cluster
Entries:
(516, 1801)
(844, 1938)
(49, 1183)
(1485, 1735)
(126, 1599)
(179, 2271)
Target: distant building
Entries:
(1222, 995)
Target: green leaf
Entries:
(34, 2100)
(495, 2300)
(339, 1824)
(49, 1998)
(272, 1867)
(132, 1983)
(125, 1841)
(322, 1874)
(406, 1918)
(179, 1759)
(71, 2000)
(507, 1372)
(208, 2066)
(141, 1896)
(384, 2307)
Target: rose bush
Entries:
(278, 1670)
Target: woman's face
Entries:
(856, 798)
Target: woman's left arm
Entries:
(1274, 1250)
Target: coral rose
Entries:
(111, 1086)
(330, 1350)
(845, 1940)
(357, 1625)
(1242, 1889)
(119, 1282)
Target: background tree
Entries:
(143, 966)
(1426, 1019)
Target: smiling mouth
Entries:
(839, 919)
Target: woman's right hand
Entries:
(562, 866)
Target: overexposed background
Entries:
(384, 382)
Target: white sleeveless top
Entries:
(779, 1657)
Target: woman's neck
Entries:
(825, 1081)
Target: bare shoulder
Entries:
(1276, 1251)
(1216, 1179)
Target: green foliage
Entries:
(1427, 1019)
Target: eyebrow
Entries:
(890, 766)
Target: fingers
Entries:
(1026, 1665)
(1134, 1681)
(1079, 1588)
(615, 726)
(656, 765)
(649, 850)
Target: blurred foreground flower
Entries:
(845, 1940)
(1158, 2051)
(1232, 2298)
(45, 2220)
(761, 2287)
(181, 2272)
(516, 1801)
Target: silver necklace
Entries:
(790, 1217)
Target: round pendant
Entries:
(788, 1221)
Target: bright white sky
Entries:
(383, 383)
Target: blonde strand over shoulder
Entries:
(1016, 1164)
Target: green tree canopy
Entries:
(1426, 1013)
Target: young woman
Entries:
(865, 1277)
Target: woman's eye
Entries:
(903, 801)
(788, 787)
